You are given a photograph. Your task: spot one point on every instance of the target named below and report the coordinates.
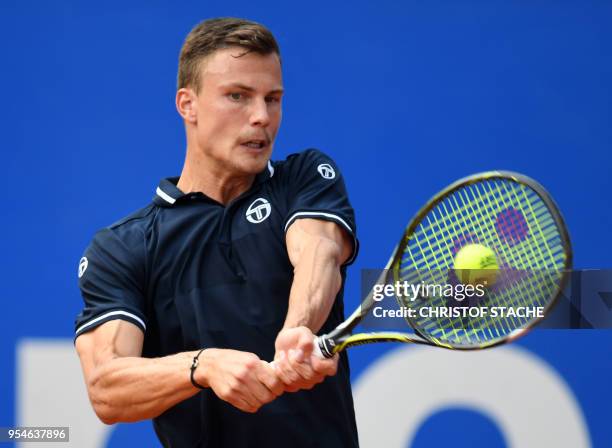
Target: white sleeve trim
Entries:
(111, 313)
(327, 215)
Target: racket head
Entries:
(506, 211)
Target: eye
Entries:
(235, 96)
(272, 99)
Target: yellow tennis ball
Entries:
(476, 264)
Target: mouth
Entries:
(255, 144)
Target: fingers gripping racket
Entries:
(504, 211)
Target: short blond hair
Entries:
(214, 34)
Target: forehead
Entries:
(232, 65)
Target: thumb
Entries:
(306, 341)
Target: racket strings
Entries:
(512, 298)
(457, 216)
(436, 252)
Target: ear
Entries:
(186, 104)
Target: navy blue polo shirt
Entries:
(193, 273)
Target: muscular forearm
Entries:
(317, 280)
(317, 250)
(128, 389)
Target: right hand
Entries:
(240, 378)
(295, 362)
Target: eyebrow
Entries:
(250, 89)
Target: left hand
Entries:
(296, 365)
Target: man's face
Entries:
(238, 109)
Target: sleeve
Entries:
(111, 279)
(317, 190)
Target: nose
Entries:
(260, 115)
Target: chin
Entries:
(251, 166)
(253, 163)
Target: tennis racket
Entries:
(507, 212)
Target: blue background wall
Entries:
(407, 97)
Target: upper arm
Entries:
(113, 321)
(304, 232)
(319, 207)
(113, 339)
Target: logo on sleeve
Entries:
(258, 211)
(326, 171)
(83, 263)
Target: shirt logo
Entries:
(258, 211)
(326, 171)
(83, 263)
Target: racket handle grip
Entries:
(320, 347)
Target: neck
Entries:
(199, 175)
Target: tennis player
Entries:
(237, 262)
